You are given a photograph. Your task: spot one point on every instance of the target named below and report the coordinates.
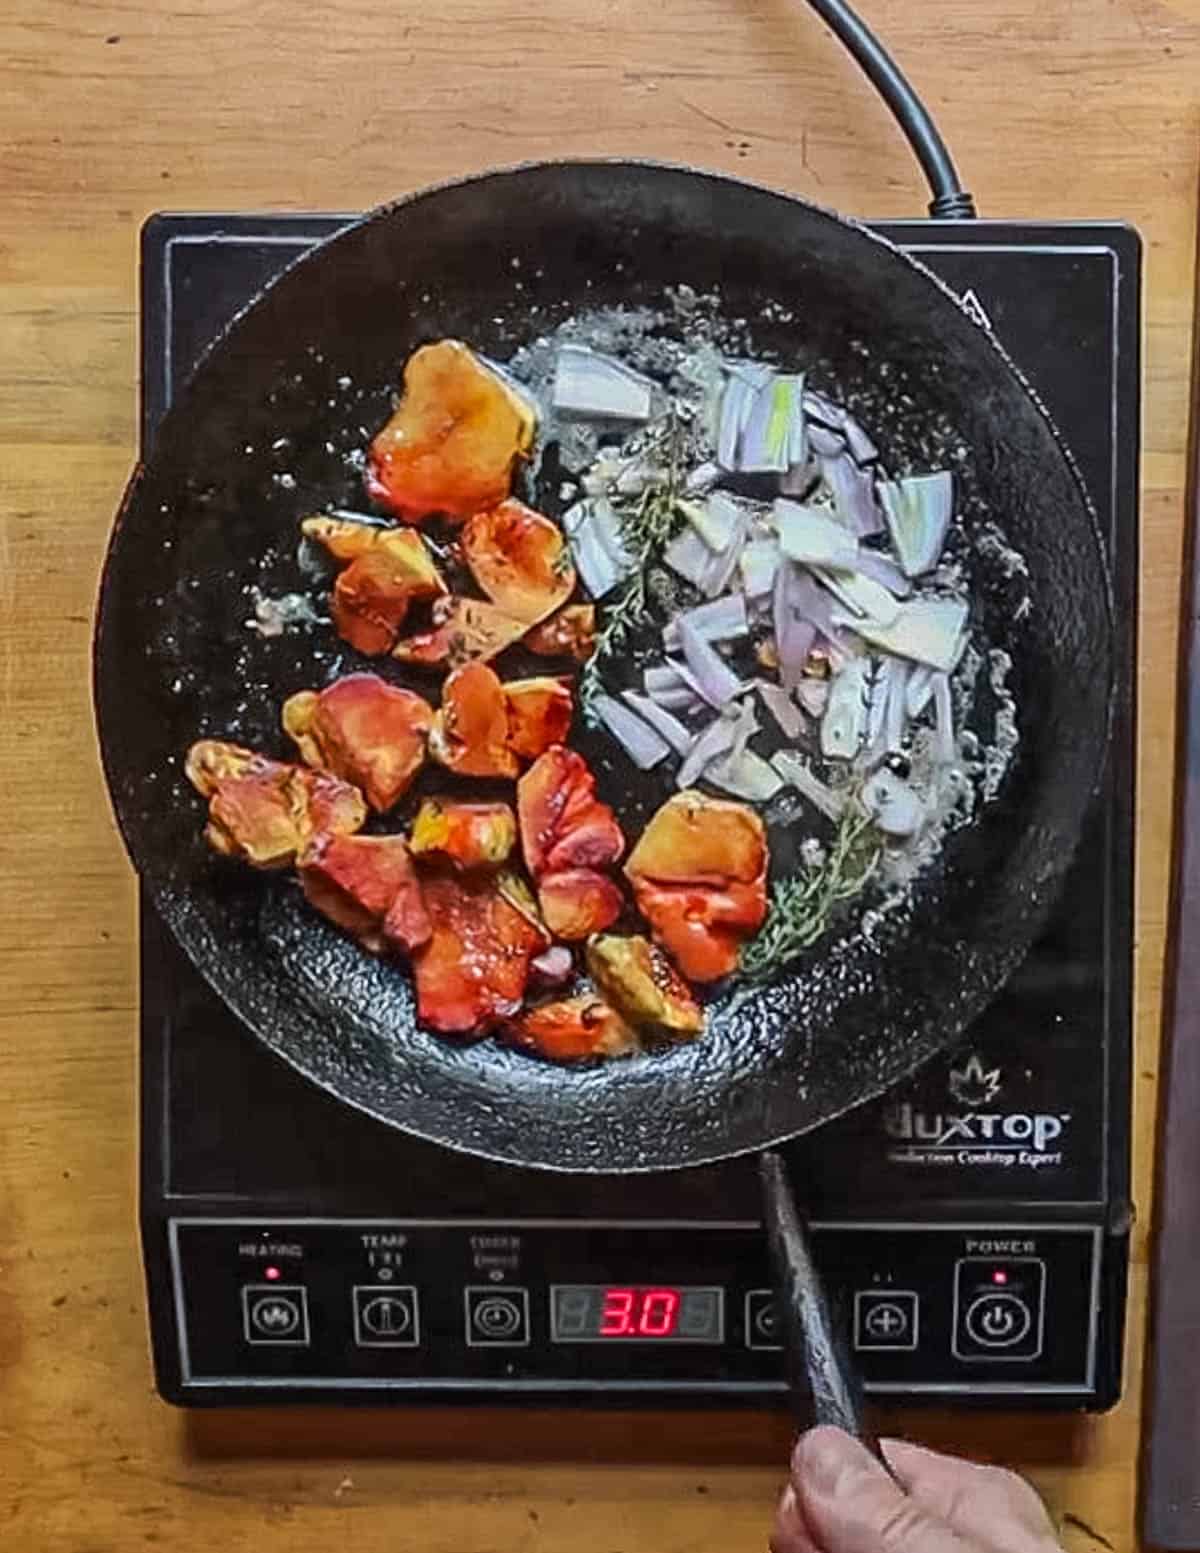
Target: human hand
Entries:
(841, 1500)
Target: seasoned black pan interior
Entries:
(261, 436)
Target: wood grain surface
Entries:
(110, 109)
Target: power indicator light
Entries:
(999, 1276)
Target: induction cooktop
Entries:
(973, 1226)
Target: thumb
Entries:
(851, 1505)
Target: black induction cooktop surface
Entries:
(1016, 1143)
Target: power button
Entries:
(999, 1308)
(998, 1320)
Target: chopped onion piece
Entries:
(690, 557)
(918, 690)
(664, 724)
(710, 743)
(745, 775)
(667, 687)
(945, 744)
(724, 565)
(759, 563)
(865, 598)
(825, 443)
(770, 438)
(755, 374)
(593, 386)
(736, 404)
(715, 680)
(639, 741)
(724, 620)
(918, 512)
(878, 701)
(895, 717)
(813, 695)
(822, 410)
(853, 491)
(797, 773)
(861, 449)
(716, 520)
(594, 531)
(810, 535)
(799, 612)
(845, 719)
(883, 570)
(927, 630)
(781, 707)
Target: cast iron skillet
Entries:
(261, 437)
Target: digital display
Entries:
(636, 1313)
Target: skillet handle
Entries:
(822, 1381)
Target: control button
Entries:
(386, 1317)
(275, 1313)
(762, 1322)
(998, 1320)
(496, 1318)
(886, 1320)
(999, 1308)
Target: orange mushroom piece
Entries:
(573, 1030)
(539, 714)
(520, 560)
(267, 811)
(699, 876)
(637, 979)
(388, 569)
(463, 630)
(453, 440)
(368, 886)
(470, 732)
(563, 824)
(702, 927)
(569, 633)
(350, 538)
(577, 902)
(364, 730)
(567, 837)
(468, 835)
(472, 973)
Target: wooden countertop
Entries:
(114, 108)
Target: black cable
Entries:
(950, 200)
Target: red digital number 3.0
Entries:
(639, 1312)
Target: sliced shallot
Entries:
(639, 741)
(715, 680)
(724, 620)
(664, 723)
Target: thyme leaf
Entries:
(646, 526)
(803, 907)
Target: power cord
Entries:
(950, 201)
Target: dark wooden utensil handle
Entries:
(821, 1379)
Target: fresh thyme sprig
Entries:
(646, 526)
(802, 907)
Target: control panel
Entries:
(313, 1306)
